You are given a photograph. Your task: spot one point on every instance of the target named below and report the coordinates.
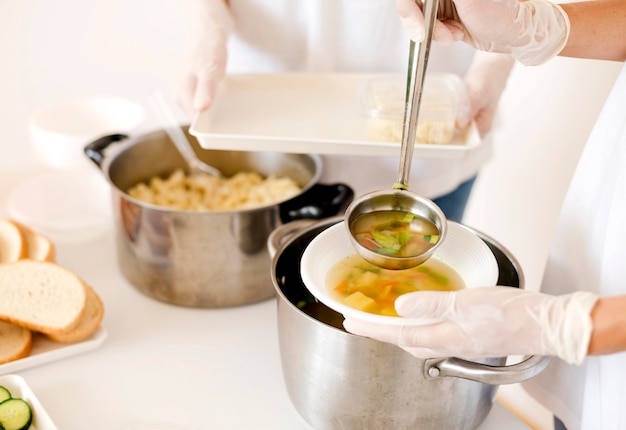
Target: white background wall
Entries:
(54, 50)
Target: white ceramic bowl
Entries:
(60, 131)
(462, 250)
(64, 206)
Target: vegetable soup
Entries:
(361, 285)
(395, 233)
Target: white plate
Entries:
(65, 206)
(20, 389)
(303, 113)
(461, 249)
(45, 351)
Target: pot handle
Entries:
(494, 375)
(282, 233)
(318, 202)
(95, 150)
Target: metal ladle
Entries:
(399, 198)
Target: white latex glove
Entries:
(489, 322)
(533, 31)
(210, 24)
(485, 81)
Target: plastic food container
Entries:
(444, 99)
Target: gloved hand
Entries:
(533, 31)
(489, 322)
(485, 81)
(210, 24)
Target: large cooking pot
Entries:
(203, 259)
(337, 380)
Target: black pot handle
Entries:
(95, 150)
(318, 202)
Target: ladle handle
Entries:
(418, 62)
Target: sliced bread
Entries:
(12, 242)
(15, 342)
(89, 322)
(41, 296)
(38, 247)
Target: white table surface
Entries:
(196, 368)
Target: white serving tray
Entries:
(45, 351)
(303, 113)
(20, 389)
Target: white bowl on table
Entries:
(60, 131)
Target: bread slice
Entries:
(88, 324)
(12, 242)
(15, 342)
(38, 247)
(41, 296)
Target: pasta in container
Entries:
(444, 99)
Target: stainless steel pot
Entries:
(337, 380)
(203, 259)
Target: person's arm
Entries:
(209, 26)
(485, 81)
(533, 31)
(495, 322)
(609, 326)
(597, 30)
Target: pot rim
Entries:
(120, 146)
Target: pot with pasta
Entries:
(200, 240)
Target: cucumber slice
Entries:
(5, 394)
(15, 414)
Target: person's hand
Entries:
(533, 31)
(205, 64)
(489, 322)
(485, 81)
(412, 19)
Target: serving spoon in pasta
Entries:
(178, 137)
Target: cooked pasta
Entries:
(200, 192)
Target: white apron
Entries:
(347, 36)
(589, 253)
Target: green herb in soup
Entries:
(395, 233)
(366, 287)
